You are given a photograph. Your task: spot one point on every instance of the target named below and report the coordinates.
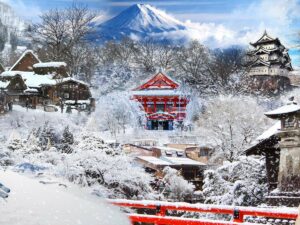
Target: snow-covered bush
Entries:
(241, 183)
(94, 163)
(176, 187)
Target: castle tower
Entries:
(268, 57)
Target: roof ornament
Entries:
(265, 32)
(160, 70)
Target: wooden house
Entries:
(31, 82)
(162, 157)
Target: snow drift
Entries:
(50, 203)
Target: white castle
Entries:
(268, 57)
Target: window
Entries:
(290, 122)
(203, 153)
(179, 153)
(66, 95)
(169, 153)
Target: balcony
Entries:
(172, 110)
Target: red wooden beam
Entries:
(239, 212)
(175, 220)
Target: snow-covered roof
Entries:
(33, 80)
(75, 80)
(157, 92)
(286, 109)
(183, 161)
(170, 161)
(154, 160)
(22, 56)
(49, 64)
(270, 132)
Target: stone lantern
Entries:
(288, 189)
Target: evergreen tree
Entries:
(67, 141)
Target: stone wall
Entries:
(269, 85)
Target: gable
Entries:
(25, 62)
(265, 37)
(159, 81)
(16, 84)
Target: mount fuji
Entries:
(140, 22)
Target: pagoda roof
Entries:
(262, 49)
(158, 81)
(156, 92)
(283, 111)
(265, 38)
(259, 61)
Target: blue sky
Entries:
(231, 21)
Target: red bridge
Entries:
(238, 213)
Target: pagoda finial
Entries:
(265, 32)
(160, 70)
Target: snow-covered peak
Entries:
(143, 18)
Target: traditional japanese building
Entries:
(269, 57)
(31, 82)
(162, 101)
(281, 147)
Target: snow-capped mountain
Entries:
(139, 21)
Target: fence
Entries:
(238, 213)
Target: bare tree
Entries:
(146, 55)
(165, 56)
(193, 64)
(63, 35)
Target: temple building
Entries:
(268, 57)
(163, 102)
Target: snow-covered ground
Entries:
(45, 201)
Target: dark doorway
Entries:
(160, 125)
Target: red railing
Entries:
(238, 213)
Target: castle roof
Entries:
(266, 38)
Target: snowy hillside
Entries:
(139, 21)
(43, 201)
(9, 18)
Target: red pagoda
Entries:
(162, 101)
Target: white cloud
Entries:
(246, 25)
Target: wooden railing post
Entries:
(238, 216)
(160, 211)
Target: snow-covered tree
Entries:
(117, 112)
(230, 124)
(67, 140)
(193, 66)
(241, 183)
(176, 188)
